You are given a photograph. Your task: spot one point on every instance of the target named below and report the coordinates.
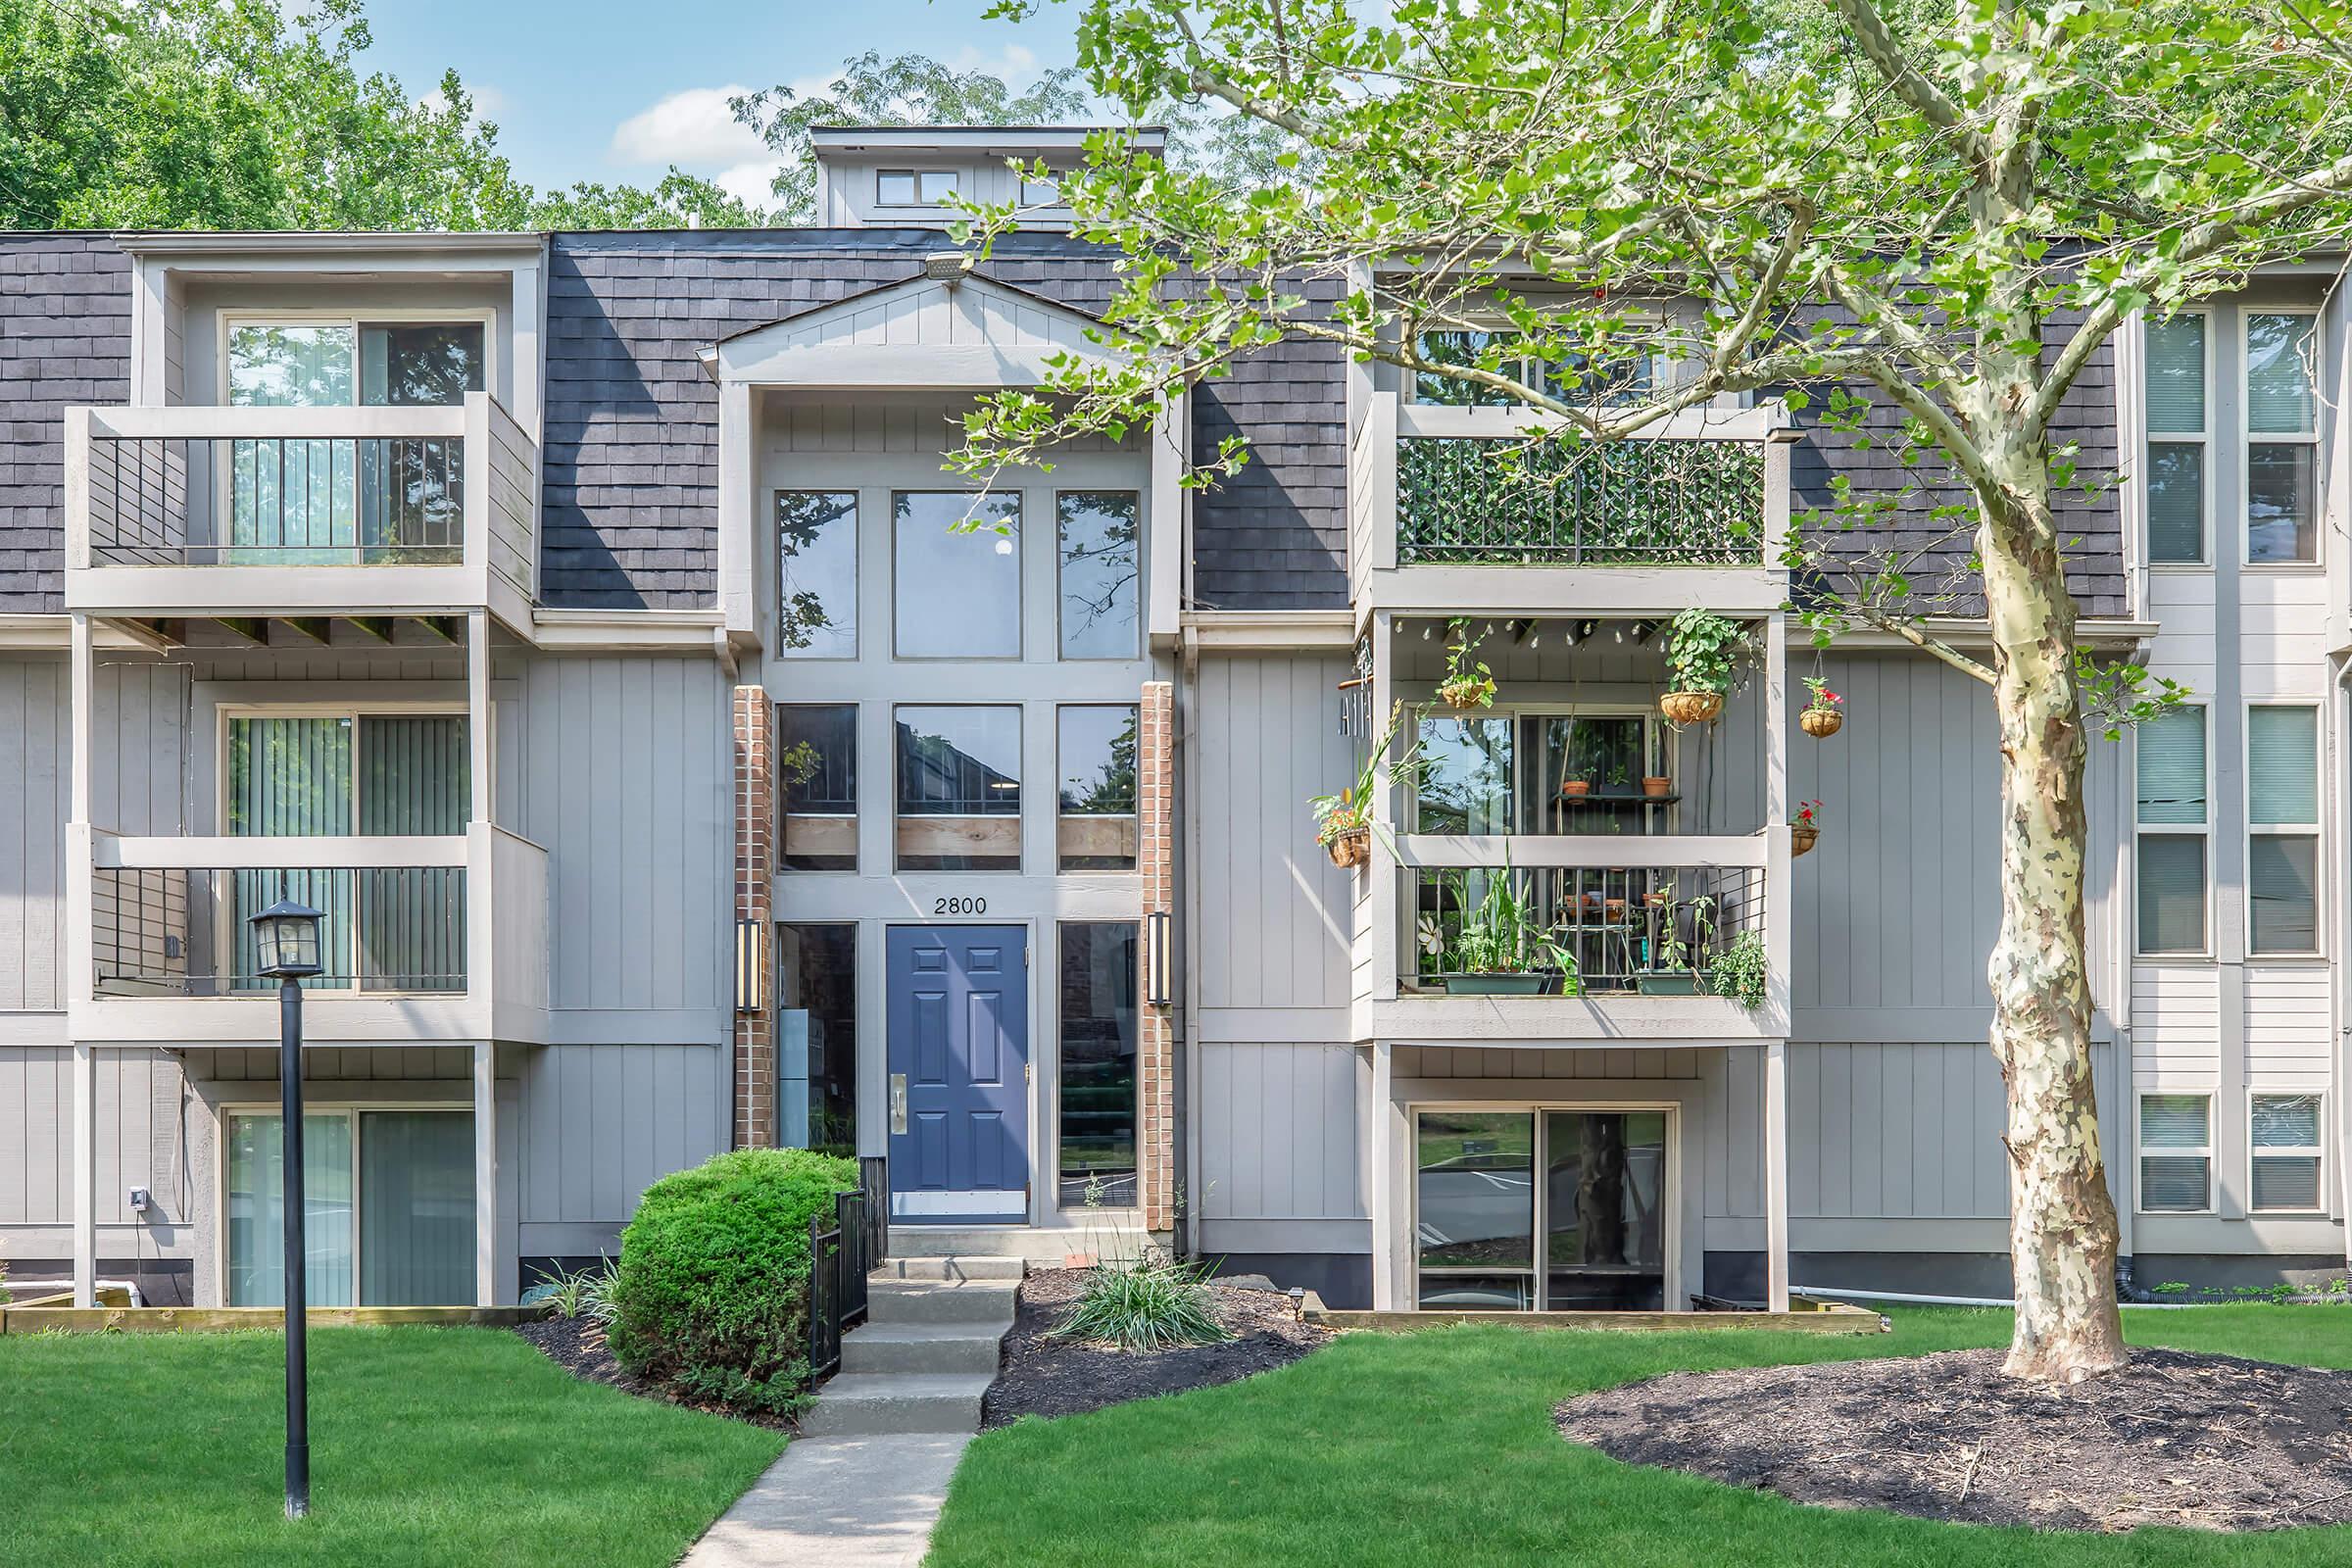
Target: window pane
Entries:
(2279, 485)
(1098, 533)
(1466, 348)
(2172, 894)
(257, 1211)
(290, 367)
(1097, 1065)
(1477, 1189)
(2279, 371)
(2175, 375)
(2173, 1184)
(2289, 1182)
(818, 769)
(1096, 749)
(2279, 879)
(957, 588)
(1466, 786)
(420, 366)
(895, 188)
(959, 789)
(938, 185)
(2171, 764)
(2283, 748)
(2175, 1121)
(1604, 1202)
(2175, 504)
(817, 562)
(817, 1045)
(1608, 752)
(416, 1209)
(2287, 1121)
(1039, 193)
(1477, 1293)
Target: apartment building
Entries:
(683, 760)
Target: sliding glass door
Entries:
(388, 1208)
(1588, 1236)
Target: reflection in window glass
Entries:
(817, 766)
(2176, 503)
(936, 185)
(421, 366)
(817, 562)
(1459, 346)
(291, 367)
(1466, 783)
(1098, 532)
(1098, 1166)
(1476, 1196)
(257, 1206)
(2175, 375)
(2171, 893)
(819, 978)
(2280, 481)
(956, 586)
(959, 789)
(2282, 903)
(2280, 397)
(1604, 1228)
(895, 188)
(1096, 749)
(1610, 754)
(2285, 1132)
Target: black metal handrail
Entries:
(841, 1255)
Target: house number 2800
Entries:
(964, 905)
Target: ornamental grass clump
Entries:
(1143, 1306)
(712, 1296)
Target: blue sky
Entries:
(608, 90)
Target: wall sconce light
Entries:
(1159, 989)
(750, 964)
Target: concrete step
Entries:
(921, 1348)
(864, 1404)
(952, 1268)
(1046, 1246)
(889, 1300)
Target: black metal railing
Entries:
(840, 1257)
(201, 501)
(1629, 928)
(185, 932)
(1503, 501)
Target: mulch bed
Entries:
(2208, 1441)
(578, 1346)
(1043, 1376)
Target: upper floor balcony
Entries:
(1471, 511)
(229, 512)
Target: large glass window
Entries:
(1604, 1211)
(959, 789)
(2177, 440)
(817, 564)
(1098, 1160)
(2282, 822)
(2173, 825)
(1099, 532)
(1467, 781)
(2281, 437)
(1097, 751)
(388, 1206)
(956, 582)
(816, 1045)
(1572, 379)
(2176, 1153)
(818, 769)
(2285, 1138)
(1475, 1216)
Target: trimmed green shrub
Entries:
(712, 1296)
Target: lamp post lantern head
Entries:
(286, 939)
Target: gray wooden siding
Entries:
(35, 764)
(602, 1122)
(1278, 1133)
(145, 1122)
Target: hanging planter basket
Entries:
(1691, 708)
(1821, 722)
(1350, 848)
(1801, 839)
(1468, 694)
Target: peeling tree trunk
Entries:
(2062, 1226)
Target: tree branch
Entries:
(1880, 48)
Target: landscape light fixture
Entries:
(285, 941)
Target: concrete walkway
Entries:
(839, 1502)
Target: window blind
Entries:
(2171, 893)
(2283, 911)
(2175, 1121)
(2172, 768)
(2175, 375)
(2282, 785)
(2176, 503)
(2279, 390)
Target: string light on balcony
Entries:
(1580, 631)
(1643, 631)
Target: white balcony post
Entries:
(478, 711)
(77, 488)
(1779, 892)
(485, 1173)
(1379, 1187)
(1381, 866)
(1776, 1175)
(85, 1174)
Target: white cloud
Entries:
(750, 182)
(691, 129)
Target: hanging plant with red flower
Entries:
(1823, 713)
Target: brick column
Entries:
(754, 872)
(1155, 1045)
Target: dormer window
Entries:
(914, 187)
(1039, 193)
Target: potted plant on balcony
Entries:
(1343, 822)
(1656, 786)
(1705, 654)
(1672, 971)
(1468, 684)
(1579, 782)
(1822, 717)
(1739, 972)
(1805, 831)
(1499, 948)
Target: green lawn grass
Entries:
(1438, 1448)
(427, 1446)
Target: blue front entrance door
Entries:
(958, 1074)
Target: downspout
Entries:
(1184, 1152)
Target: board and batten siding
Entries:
(36, 768)
(145, 1125)
(599, 1124)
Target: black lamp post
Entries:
(287, 938)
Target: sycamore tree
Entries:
(1942, 211)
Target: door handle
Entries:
(898, 1103)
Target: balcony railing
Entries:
(245, 490)
(1504, 500)
(184, 931)
(1629, 929)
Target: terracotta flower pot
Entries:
(1351, 847)
(1801, 838)
(1656, 787)
(1821, 722)
(1691, 708)
(1576, 788)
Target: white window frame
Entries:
(229, 321)
(2203, 830)
(916, 175)
(2286, 830)
(2316, 1153)
(2201, 438)
(351, 1111)
(2140, 1152)
(2248, 439)
(1657, 739)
